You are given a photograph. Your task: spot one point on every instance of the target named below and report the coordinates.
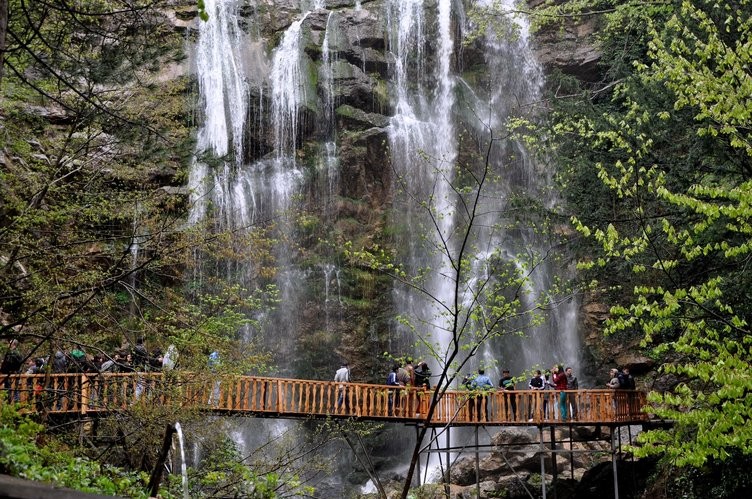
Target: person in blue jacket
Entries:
(483, 384)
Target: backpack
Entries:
(623, 381)
(213, 360)
(108, 366)
(59, 363)
(507, 383)
(140, 355)
(421, 379)
(11, 362)
(403, 376)
(536, 382)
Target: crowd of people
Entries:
(562, 404)
(124, 360)
(76, 360)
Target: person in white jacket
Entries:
(342, 376)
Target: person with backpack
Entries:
(626, 380)
(140, 355)
(403, 376)
(12, 362)
(572, 385)
(422, 375)
(140, 363)
(391, 380)
(342, 376)
(59, 363)
(507, 383)
(536, 383)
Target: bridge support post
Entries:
(543, 462)
(554, 470)
(477, 463)
(614, 463)
(448, 459)
(417, 435)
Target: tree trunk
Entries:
(3, 33)
(156, 473)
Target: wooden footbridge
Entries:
(91, 394)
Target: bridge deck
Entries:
(294, 398)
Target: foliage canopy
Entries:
(666, 141)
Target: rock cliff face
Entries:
(571, 50)
(348, 104)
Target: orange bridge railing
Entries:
(291, 398)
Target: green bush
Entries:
(26, 452)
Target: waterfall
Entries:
(423, 148)
(221, 82)
(288, 92)
(223, 92)
(517, 84)
(431, 108)
(328, 59)
(183, 469)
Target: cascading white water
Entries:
(518, 80)
(243, 193)
(223, 92)
(183, 466)
(288, 91)
(328, 59)
(423, 148)
(423, 144)
(222, 84)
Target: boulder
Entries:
(636, 363)
(572, 49)
(351, 118)
(352, 86)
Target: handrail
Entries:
(280, 397)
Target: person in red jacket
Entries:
(560, 382)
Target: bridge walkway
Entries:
(89, 394)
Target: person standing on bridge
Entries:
(506, 383)
(537, 383)
(342, 376)
(391, 380)
(423, 376)
(572, 384)
(12, 363)
(613, 375)
(560, 381)
(214, 364)
(140, 361)
(481, 383)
